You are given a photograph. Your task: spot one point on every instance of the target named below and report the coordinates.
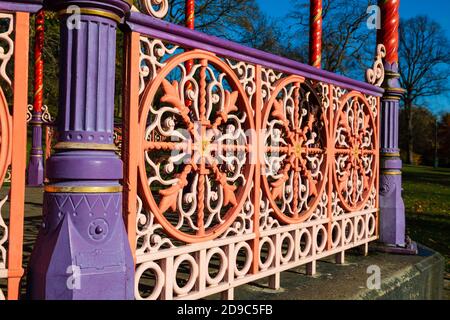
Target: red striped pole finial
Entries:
(315, 42)
(389, 34)
(190, 14)
(190, 23)
(39, 62)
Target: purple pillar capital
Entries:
(82, 251)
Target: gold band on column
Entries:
(93, 12)
(85, 146)
(391, 173)
(391, 155)
(83, 189)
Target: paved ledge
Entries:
(402, 278)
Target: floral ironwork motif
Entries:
(355, 151)
(196, 174)
(295, 146)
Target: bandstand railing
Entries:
(238, 164)
(244, 165)
(14, 46)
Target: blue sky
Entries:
(438, 10)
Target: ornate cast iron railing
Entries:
(239, 164)
(244, 165)
(14, 47)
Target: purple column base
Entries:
(82, 251)
(36, 171)
(392, 211)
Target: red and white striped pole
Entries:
(190, 23)
(190, 14)
(36, 163)
(315, 34)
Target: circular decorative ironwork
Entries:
(294, 150)
(305, 243)
(159, 280)
(355, 150)
(222, 262)
(193, 274)
(195, 171)
(5, 136)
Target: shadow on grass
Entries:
(432, 230)
(427, 177)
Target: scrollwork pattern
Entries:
(47, 117)
(6, 46)
(153, 51)
(30, 109)
(268, 79)
(375, 75)
(266, 219)
(3, 236)
(148, 240)
(155, 8)
(321, 211)
(247, 76)
(244, 220)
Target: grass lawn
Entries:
(427, 200)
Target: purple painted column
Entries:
(392, 231)
(392, 215)
(36, 164)
(82, 251)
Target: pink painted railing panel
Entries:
(241, 170)
(13, 112)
